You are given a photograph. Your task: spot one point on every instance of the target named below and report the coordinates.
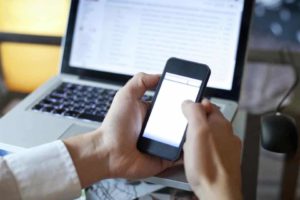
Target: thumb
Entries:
(140, 83)
(193, 112)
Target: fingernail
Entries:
(205, 100)
(186, 102)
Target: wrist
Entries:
(89, 156)
(225, 189)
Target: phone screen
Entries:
(167, 123)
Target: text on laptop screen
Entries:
(130, 36)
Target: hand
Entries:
(211, 153)
(122, 126)
(110, 151)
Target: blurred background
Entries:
(276, 24)
(30, 36)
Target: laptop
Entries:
(108, 41)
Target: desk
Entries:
(174, 177)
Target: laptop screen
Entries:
(130, 36)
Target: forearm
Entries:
(89, 156)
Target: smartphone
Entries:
(163, 131)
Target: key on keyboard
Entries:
(78, 101)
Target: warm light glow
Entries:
(40, 17)
(27, 66)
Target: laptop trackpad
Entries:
(75, 129)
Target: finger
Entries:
(140, 83)
(207, 105)
(179, 162)
(211, 108)
(217, 117)
(168, 164)
(198, 128)
(147, 104)
(194, 112)
(216, 113)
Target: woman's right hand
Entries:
(212, 153)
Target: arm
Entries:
(59, 170)
(211, 153)
(42, 172)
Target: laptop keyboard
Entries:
(78, 101)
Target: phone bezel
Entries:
(183, 68)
